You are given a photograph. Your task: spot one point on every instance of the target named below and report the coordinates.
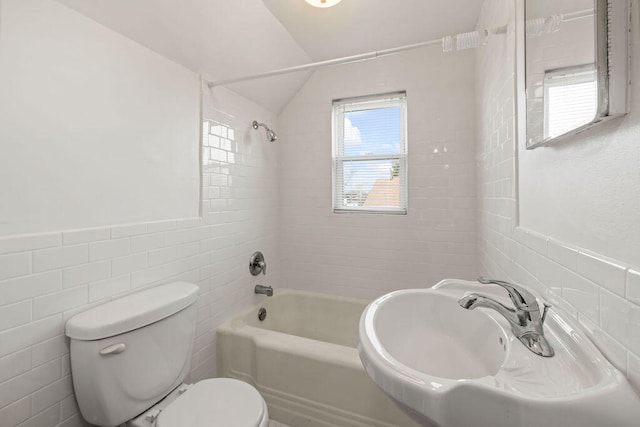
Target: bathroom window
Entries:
(370, 154)
(571, 99)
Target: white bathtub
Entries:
(303, 360)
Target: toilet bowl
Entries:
(130, 356)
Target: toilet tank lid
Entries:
(132, 311)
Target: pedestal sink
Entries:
(451, 367)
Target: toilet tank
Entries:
(127, 354)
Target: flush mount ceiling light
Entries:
(323, 3)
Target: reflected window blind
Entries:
(370, 154)
(571, 99)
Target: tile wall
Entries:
(45, 278)
(367, 255)
(600, 293)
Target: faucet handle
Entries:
(257, 264)
(521, 297)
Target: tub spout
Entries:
(264, 290)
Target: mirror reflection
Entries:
(561, 79)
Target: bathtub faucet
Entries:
(264, 290)
(525, 318)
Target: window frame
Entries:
(369, 102)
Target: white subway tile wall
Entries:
(45, 279)
(367, 255)
(602, 294)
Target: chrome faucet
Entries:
(264, 290)
(525, 318)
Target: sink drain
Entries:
(262, 314)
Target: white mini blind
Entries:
(370, 154)
(571, 99)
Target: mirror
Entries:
(576, 66)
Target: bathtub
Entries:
(303, 360)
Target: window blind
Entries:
(571, 99)
(370, 154)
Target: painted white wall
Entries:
(95, 129)
(586, 191)
(577, 242)
(367, 255)
(45, 278)
(218, 38)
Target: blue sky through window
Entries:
(370, 132)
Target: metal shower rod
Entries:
(320, 64)
(470, 40)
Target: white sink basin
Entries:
(451, 367)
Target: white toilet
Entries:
(130, 356)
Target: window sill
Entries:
(371, 211)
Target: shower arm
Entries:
(256, 125)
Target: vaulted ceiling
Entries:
(230, 38)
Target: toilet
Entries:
(130, 356)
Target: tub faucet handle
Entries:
(257, 264)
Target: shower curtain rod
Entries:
(319, 64)
(470, 43)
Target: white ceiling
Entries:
(230, 38)
(359, 26)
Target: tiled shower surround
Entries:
(600, 293)
(47, 278)
(368, 255)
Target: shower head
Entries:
(271, 135)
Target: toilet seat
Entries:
(219, 402)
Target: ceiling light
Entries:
(323, 3)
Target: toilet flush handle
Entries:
(113, 349)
